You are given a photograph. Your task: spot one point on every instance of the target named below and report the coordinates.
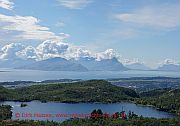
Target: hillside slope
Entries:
(85, 91)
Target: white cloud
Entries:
(6, 4)
(108, 54)
(45, 50)
(74, 4)
(10, 51)
(77, 53)
(28, 53)
(49, 49)
(133, 61)
(26, 28)
(164, 16)
(170, 61)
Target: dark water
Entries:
(37, 75)
(81, 108)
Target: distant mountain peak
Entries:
(101, 65)
(169, 67)
(56, 59)
(55, 64)
(137, 66)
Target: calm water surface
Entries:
(82, 108)
(37, 75)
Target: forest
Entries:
(163, 99)
(84, 91)
(5, 112)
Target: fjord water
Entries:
(35, 107)
(37, 75)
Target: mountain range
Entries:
(103, 65)
(169, 67)
(82, 64)
(137, 66)
(54, 64)
(61, 64)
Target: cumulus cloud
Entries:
(164, 16)
(133, 61)
(45, 50)
(49, 49)
(27, 28)
(108, 54)
(6, 4)
(170, 61)
(28, 53)
(10, 51)
(77, 53)
(74, 4)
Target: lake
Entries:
(37, 75)
(36, 107)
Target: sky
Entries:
(134, 30)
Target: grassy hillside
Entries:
(6, 94)
(162, 99)
(85, 91)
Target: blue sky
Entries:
(148, 30)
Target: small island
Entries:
(23, 105)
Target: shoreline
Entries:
(151, 106)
